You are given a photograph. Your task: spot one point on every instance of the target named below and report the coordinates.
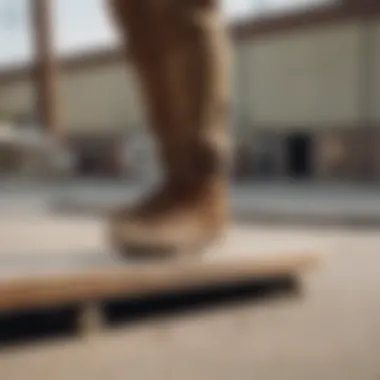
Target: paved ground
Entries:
(344, 204)
(49, 244)
(331, 332)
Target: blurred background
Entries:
(305, 124)
(306, 81)
(306, 130)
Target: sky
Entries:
(84, 25)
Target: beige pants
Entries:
(181, 55)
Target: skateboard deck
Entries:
(33, 280)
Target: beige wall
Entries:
(100, 98)
(302, 79)
(17, 98)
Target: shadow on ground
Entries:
(44, 325)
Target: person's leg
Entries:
(180, 51)
(140, 30)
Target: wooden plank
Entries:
(50, 290)
(30, 280)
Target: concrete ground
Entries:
(332, 331)
(260, 201)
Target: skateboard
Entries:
(40, 282)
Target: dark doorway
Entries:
(96, 158)
(299, 156)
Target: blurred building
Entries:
(307, 88)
